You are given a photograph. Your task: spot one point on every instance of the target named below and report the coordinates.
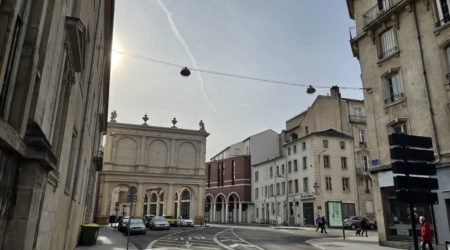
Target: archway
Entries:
(119, 196)
(220, 209)
(233, 206)
(209, 201)
(185, 203)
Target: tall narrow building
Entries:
(403, 47)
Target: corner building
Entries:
(167, 165)
(403, 47)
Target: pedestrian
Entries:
(324, 222)
(364, 227)
(425, 231)
(318, 222)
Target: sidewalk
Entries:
(108, 239)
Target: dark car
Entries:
(122, 224)
(159, 222)
(137, 226)
(147, 219)
(354, 222)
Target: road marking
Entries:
(150, 246)
(250, 244)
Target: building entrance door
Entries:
(308, 213)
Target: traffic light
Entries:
(413, 161)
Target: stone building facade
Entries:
(54, 88)
(403, 47)
(166, 165)
(324, 160)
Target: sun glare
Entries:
(115, 57)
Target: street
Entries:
(226, 237)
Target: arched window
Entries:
(161, 204)
(185, 203)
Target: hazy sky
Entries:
(302, 41)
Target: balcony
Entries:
(353, 41)
(362, 172)
(358, 118)
(394, 98)
(98, 159)
(363, 144)
(380, 10)
(444, 20)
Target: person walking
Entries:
(318, 222)
(364, 227)
(426, 234)
(322, 227)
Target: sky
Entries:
(299, 41)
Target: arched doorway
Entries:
(185, 203)
(208, 209)
(119, 195)
(220, 209)
(233, 206)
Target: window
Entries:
(393, 90)
(278, 189)
(294, 136)
(257, 212)
(256, 176)
(218, 174)
(342, 144)
(365, 162)
(265, 191)
(358, 112)
(328, 186)
(295, 149)
(362, 137)
(326, 161)
(345, 184)
(399, 128)
(282, 169)
(271, 190)
(289, 167)
(306, 130)
(295, 166)
(223, 173)
(388, 43)
(305, 185)
(344, 162)
(233, 173)
(290, 187)
(296, 186)
(209, 175)
(304, 145)
(305, 165)
(289, 150)
(283, 187)
(273, 208)
(443, 11)
(278, 171)
(325, 143)
(256, 193)
(270, 172)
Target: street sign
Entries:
(417, 197)
(410, 140)
(132, 190)
(407, 182)
(132, 198)
(400, 167)
(400, 153)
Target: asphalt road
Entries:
(225, 237)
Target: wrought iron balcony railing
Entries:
(362, 171)
(443, 21)
(378, 10)
(394, 98)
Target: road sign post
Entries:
(414, 160)
(132, 197)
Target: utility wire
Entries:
(145, 58)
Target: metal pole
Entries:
(129, 225)
(343, 225)
(413, 224)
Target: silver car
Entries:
(159, 222)
(137, 226)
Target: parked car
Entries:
(122, 224)
(137, 226)
(184, 221)
(354, 222)
(171, 219)
(147, 219)
(159, 222)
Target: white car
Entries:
(185, 221)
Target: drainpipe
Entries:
(427, 87)
(83, 128)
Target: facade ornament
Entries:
(145, 118)
(202, 125)
(174, 122)
(113, 116)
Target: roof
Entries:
(269, 160)
(329, 132)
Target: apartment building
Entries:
(54, 87)
(228, 189)
(324, 159)
(403, 47)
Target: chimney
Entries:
(334, 91)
